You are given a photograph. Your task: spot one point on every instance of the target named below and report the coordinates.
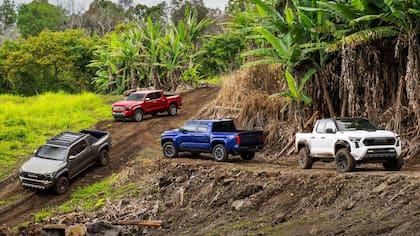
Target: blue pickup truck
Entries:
(219, 137)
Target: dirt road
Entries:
(128, 138)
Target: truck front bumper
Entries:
(377, 154)
(35, 183)
(122, 114)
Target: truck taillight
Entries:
(263, 137)
(238, 139)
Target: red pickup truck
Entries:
(141, 103)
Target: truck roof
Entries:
(66, 139)
(215, 120)
(147, 91)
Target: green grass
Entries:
(92, 197)
(27, 122)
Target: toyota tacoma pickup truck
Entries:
(141, 103)
(349, 141)
(63, 157)
(219, 137)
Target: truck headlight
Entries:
(49, 176)
(355, 139)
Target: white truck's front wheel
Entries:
(344, 161)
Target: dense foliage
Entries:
(51, 61)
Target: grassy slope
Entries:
(26, 122)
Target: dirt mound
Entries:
(211, 198)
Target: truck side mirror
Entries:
(72, 157)
(330, 131)
(147, 99)
(182, 130)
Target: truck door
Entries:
(321, 141)
(161, 102)
(187, 139)
(202, 136)
(78, 157)
(148, 104)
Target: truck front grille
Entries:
(118, 108)
(378, 141)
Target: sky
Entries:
(84, 4)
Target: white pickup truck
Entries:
(349, 141)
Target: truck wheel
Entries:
(344, 161)
(103, 157)
(172, 110)
(169, 150)
(394, 165)
(219, 152)
(62, 185)
(248, 156)
(305, 160)
(138, 115)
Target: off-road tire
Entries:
(138, 115)
(305, 160)
(344, 161)
(248, 156)
(62, 185)
(219, 153)
(394, 165)
(172, 110)
(103, 159)
(169, 150)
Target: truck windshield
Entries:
(224, 126)
(52, 152)
(135, 97)
(355, 124)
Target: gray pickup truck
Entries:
(63, 157)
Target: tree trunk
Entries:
(327, 96)
(412, 75)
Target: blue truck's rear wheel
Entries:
(248, 156)
(169, 150)
(219, 152)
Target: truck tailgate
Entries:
(252, 138)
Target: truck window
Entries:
(190, 127)
(78, 148)
(135, 97)
(203, 127)
(224, 126)
(51, 152)
(320, 128)
(330, 125)
(157, 95)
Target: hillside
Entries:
(269, 195)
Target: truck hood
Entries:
(171, 132)
(38, 165)
(126, 103)
(368, 134)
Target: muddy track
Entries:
(128, 138)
